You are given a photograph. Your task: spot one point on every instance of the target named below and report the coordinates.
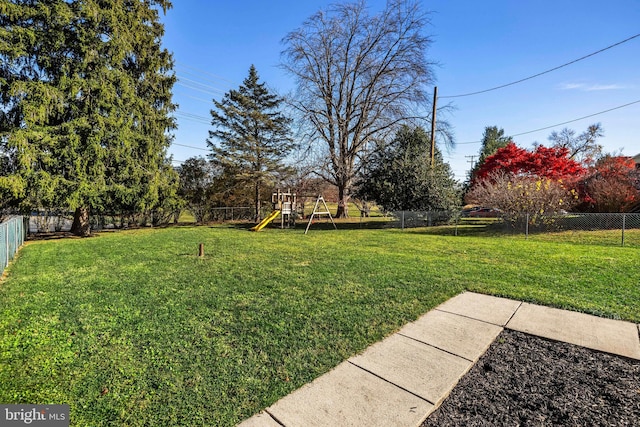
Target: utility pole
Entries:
(433, 125)
(471, 161)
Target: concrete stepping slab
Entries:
(611, 336)
(481, 307)
(417, 367)
(395, 382)
(456, 334)
(261, 419)
(349, 396)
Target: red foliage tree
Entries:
(542, 162)
(508, 159)
(554, 163)
(611, 185)
(518, 181)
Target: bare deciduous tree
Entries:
(582, 148)
(358, 76)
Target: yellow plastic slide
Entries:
(266, 221)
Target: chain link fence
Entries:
(413, 219)
(621, 227)
(606, 228)
(12, 235)
(57, 221)
(601, 228)
(232, 213)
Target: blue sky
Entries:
(477, 45)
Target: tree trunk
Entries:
(257, 201)
(81, 225)
(366, 209)
(343, 208)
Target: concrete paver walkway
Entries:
(402, 379)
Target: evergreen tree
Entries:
(86, 101)
(492, 140)
(253, 136)
(141, 178)
(401, 176)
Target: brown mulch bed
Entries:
(524, 380)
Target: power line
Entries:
(190, 146)
(468, 142)
(197, 88)
(196, 85)
(208, 101)
(193, 87)
(197, 76)
(193, 117)
(192, 120)
(575, 120)
(201, 71)
(563, 123)
(544, 72)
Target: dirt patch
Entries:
(524, 380)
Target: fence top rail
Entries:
(10, 218)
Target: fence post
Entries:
(624, 218)
(457, 221)
(14, 225)
(526, 227)
(6, 243)
(402, 220)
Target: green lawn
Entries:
(132, 328)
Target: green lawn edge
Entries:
(133, 328)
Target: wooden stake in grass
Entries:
(201, 250)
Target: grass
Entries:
(132, 328)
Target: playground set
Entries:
(286, 205)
